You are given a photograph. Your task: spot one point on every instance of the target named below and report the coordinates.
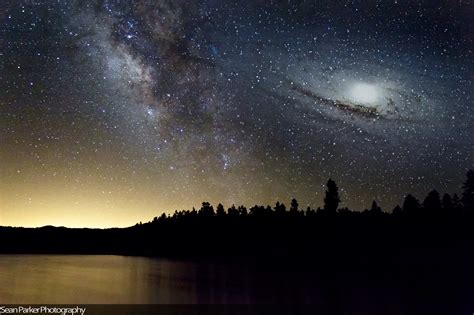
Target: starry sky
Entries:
(113, 111)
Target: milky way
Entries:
(129, 108)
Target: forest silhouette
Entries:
(271, 231)
(421, 251)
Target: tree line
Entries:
(432, 205)
(327, 235)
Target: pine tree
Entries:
(331, 200)
(232, 211)
(220, 210)
(294, 206)
(432, 202)
(206, 210)
(411, 205)
(375, 208)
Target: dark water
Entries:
(59, 279)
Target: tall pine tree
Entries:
(331, 200)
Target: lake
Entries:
(83, 279)
(63, 279)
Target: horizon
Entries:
(170, 213)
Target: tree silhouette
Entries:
(310, 212)
(242, 211)
(432, 202)
(232, 211)
(397, 210)
(447, 203)
(411, 205)
(206, 210)
(468, 193)
(280, 208)
(268, 210)
(294, 206)
(331, 200)
(264, 230)
(375, 208)
(220, 210)
(433, 205)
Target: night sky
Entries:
(114, 111)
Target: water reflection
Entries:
(39, 279)
(59, 279)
